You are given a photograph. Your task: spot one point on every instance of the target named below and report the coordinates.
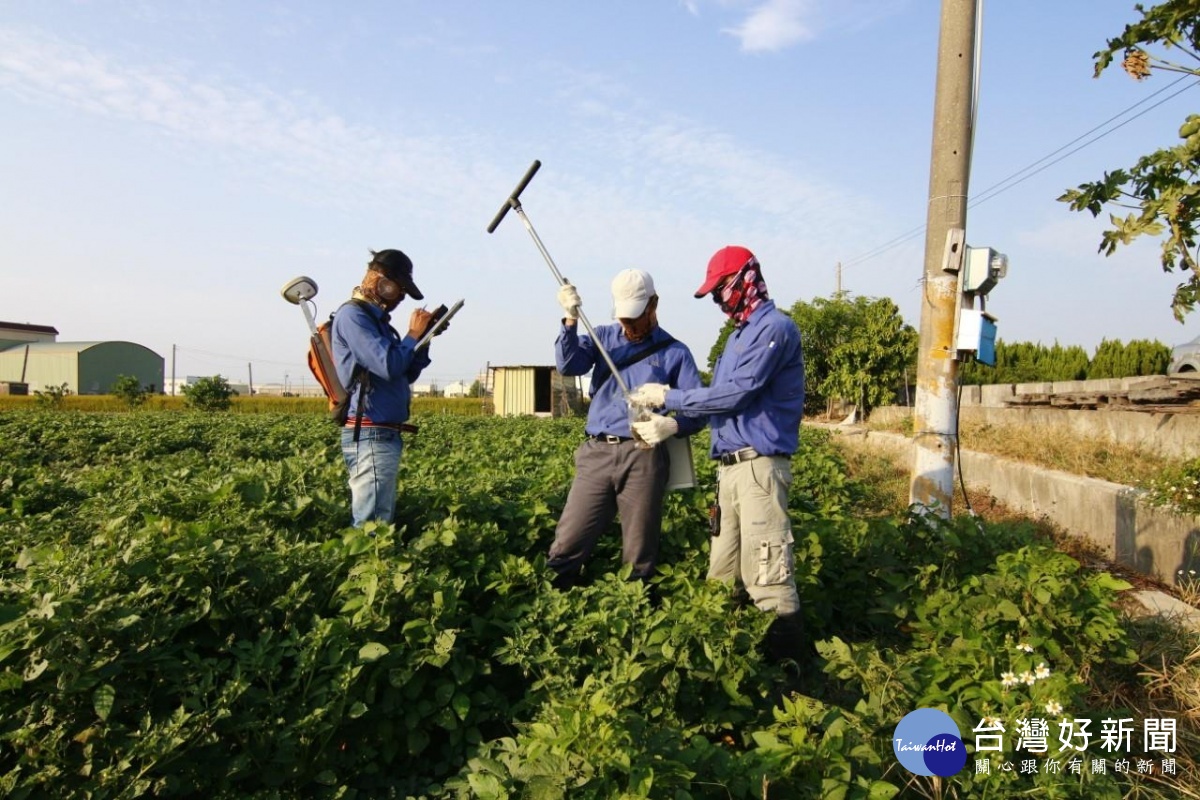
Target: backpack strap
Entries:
(360, 375)
(639, 356)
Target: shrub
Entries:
(209, 394)
(129, 390)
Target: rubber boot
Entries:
(566, 580)
(785, 639)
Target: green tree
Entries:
(130, 390)
(1140, 357)
(1161, 188)
(209, 394)
(857, 350)
(476, 389)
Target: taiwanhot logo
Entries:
(927, 742)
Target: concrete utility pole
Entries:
(936, 411)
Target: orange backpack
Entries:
(321, 364)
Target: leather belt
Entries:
(403, 427)
(608, 438)
(738, 456)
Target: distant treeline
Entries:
(1026, 362)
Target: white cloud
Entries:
(775, 25)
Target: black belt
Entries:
(608, 438)
(738, 456)
(403, 427)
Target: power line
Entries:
(1000, 188)
(1019, 176)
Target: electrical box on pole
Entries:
(975, 328)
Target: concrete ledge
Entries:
(1155, 542)
(1169, 434)
(1168, 607)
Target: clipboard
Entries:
(682, 473)
(437, 326)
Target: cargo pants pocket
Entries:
(775, 552)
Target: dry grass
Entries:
(1059, 449)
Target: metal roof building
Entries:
(536, 390)
(29, 355)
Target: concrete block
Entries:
(995, 395)
(1143, 382)
(1104, 385)
(1032, 388)
(971, 395)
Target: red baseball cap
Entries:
(727, 261)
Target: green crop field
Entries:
(183, 612)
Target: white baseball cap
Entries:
(631, 291)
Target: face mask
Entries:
(740, 296)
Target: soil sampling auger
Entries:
(514, 203)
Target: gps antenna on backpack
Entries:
(300, 291)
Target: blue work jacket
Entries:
(609, 412)
(362, 335)
(756, 398)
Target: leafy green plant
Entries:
(130, 391)
(52, 396)
(184, 611)
(1161, 187)
(209, 394)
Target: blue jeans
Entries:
(373, 463)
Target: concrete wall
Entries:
(1174, 435)
(1156, 542)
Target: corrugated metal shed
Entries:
(85, 367)
(540, 391)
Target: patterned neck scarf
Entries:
(742, 295)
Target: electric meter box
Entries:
(982, 268)
(977, 334)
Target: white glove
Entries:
(568, 298)
(650, 395)
(656, 429)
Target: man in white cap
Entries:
(754, 406)
(614, 474)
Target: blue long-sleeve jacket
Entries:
(362, 335)
(609, 412)
(756, 398)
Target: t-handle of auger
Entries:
(515, 204)
(513, 200)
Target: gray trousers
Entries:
(612, 479)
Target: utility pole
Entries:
(172, 370)
(936, 413)
(250, 376)
(839, 280)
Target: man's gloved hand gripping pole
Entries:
(565, 288)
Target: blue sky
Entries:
(169, 165)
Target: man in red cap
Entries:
(754, 406)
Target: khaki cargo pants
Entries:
(754, 547)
